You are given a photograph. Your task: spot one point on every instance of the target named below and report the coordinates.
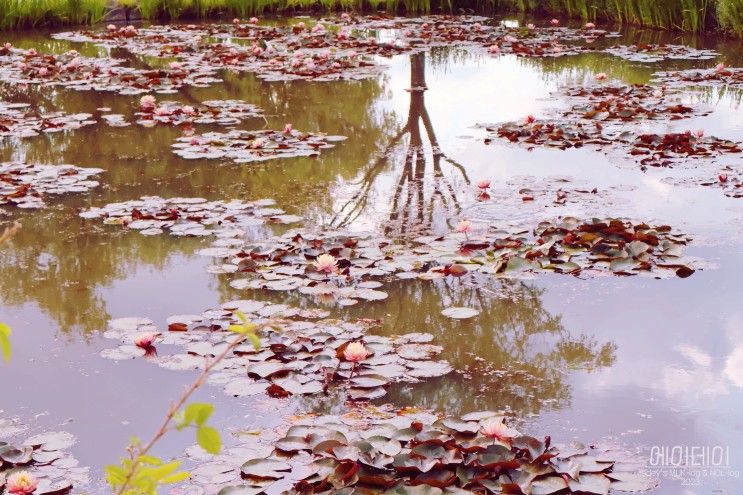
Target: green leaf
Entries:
(197, 413)
(235, 328)
(175, 478)
(255, 340)
(241, 316)
(151, 460)
(208, 439)
(164, 470)
(5, 346)
(115, 475)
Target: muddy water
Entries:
(634, 361)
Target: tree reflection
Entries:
(61, 263)
(416, 200)
(514, 356)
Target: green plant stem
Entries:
(175, 407)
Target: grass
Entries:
(687, 15)
(31, 13)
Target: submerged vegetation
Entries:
(687, 15)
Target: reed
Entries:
(687, 15)
(730, 15)
(32, 13)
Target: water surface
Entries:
(637, 361)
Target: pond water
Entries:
(637, 361)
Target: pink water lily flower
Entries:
(145, 340)
(601, 76)
(8, 45)
(161, 111)
(477, 26)
(111, 27)
(464, 227)
(530, 26)
(253, 20)
(147, 102)
(287, 128)
(530, 119)
(176, 65)
(325, 263)
(188, 110)
(21, 483)
(720, 67)
(300, 25)
(699, 133)
(355, 352)
(194, 141)
(31, 52)
(555, 22)
(235, 21)
(257, 51)
(496, 429)
(590, 25)
(483, 183)
(494, 49)
(43, 71)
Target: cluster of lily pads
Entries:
(650, 53)
(342, 47)
(300, 356)
(72, 71)
(220, 112)
(25, 184)
(588, 129)
(409, 451)
(598, 115)
(716, 76)
(253, 146)
(340, 268)
(40, 465)
(663, 150)
(153, 215)
(622, 103)
(19, 120)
